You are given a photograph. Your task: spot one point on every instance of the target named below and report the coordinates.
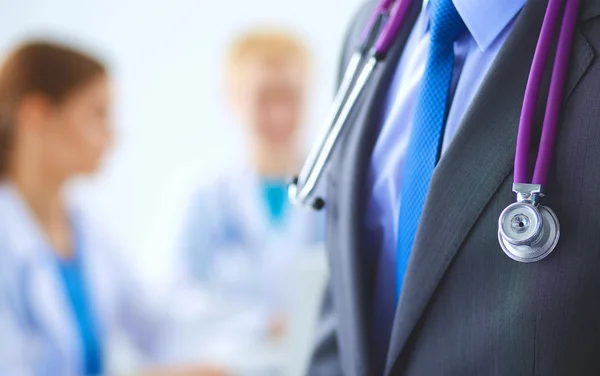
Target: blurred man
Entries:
(427, 274)
(241, 235)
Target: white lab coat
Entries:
(37, 330)
(229, 247)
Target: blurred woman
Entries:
(62, 287)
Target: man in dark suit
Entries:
(455, 304)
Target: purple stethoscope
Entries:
(527, 231)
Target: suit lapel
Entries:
(351, 161)
(479, 159)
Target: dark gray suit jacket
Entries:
(465, 307)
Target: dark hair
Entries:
(39, 67)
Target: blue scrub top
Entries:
(275, 196)
(72, 275)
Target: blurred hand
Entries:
(277, 327)
(200, 370)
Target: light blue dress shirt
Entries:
(488, 23)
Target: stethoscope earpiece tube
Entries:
(368, 40)
(318, 204)
(377, 39)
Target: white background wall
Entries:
(166, 58)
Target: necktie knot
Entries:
(446, 24)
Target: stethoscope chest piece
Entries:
(528, 232)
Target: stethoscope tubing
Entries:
(377, 40)
(532, 90)
(555, 97)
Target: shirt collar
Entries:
(486, 19)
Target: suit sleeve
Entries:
(325, 360)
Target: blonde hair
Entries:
(267, 44)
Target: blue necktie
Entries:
(426, 137)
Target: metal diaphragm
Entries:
(527, 232)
